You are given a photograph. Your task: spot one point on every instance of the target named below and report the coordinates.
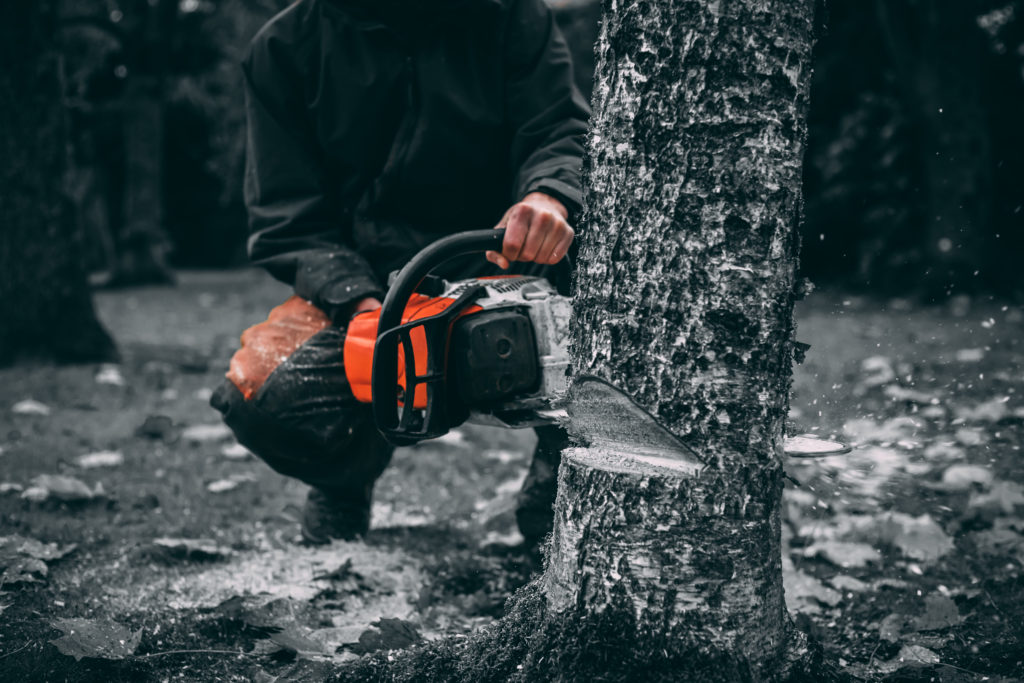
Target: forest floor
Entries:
(137, 536)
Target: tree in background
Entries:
(45, 305)
(123, 130)
(154, 102)
(914, 166)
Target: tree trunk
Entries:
(684, 299)
(45, 305)
(143, 244)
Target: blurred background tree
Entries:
(914, 173)
(154, 103)
(45, 306)
(914, 166)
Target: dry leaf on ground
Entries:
(97, 638)
(100, 459)
(61, 487)
(30, 407)
(191, 548)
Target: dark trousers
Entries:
(305, 423)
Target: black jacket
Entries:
(373, 132)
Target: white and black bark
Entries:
(685, 291)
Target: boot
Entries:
(342, 515)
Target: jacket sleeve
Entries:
(544, 106)
(296, 232)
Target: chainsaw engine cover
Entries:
(494, 357)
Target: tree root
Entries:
(532, 644)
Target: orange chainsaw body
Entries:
(362, 335)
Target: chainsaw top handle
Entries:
(400, 426)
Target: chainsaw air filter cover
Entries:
(494, 355)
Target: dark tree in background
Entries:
(915, 159)
(154, 103)
(45, 305)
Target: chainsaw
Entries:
(489, 350)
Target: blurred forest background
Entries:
(914, 166)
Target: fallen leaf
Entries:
(919, 538)
(192, 548)
(222, 486)
(944, 451)
(35, 494)
(933, 412)
(235, 451)
(1004, 497)
(993, 410)
(110, 374)
(21, 569)
(386, 634)
(294, 640)
(24, 560)
(100, 459)
(848, 583)
(963, 477)
(970, 436)
(10, 487)
(62, 488)
(806, 594)
(844, 553)
(891, 628)
(940, 613)
(969, 355)
(878, 371)
(915, 654)
(898, 393)
(96, 638)
(1002, 540)
(205, 433)
(30, 407)
(156, 427)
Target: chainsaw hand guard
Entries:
(395, 414)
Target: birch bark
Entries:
(685, 292)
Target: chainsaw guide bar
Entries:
(600, 415)
(597, 413)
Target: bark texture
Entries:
(45, 304)
(685, 290)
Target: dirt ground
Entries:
(139, 542)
